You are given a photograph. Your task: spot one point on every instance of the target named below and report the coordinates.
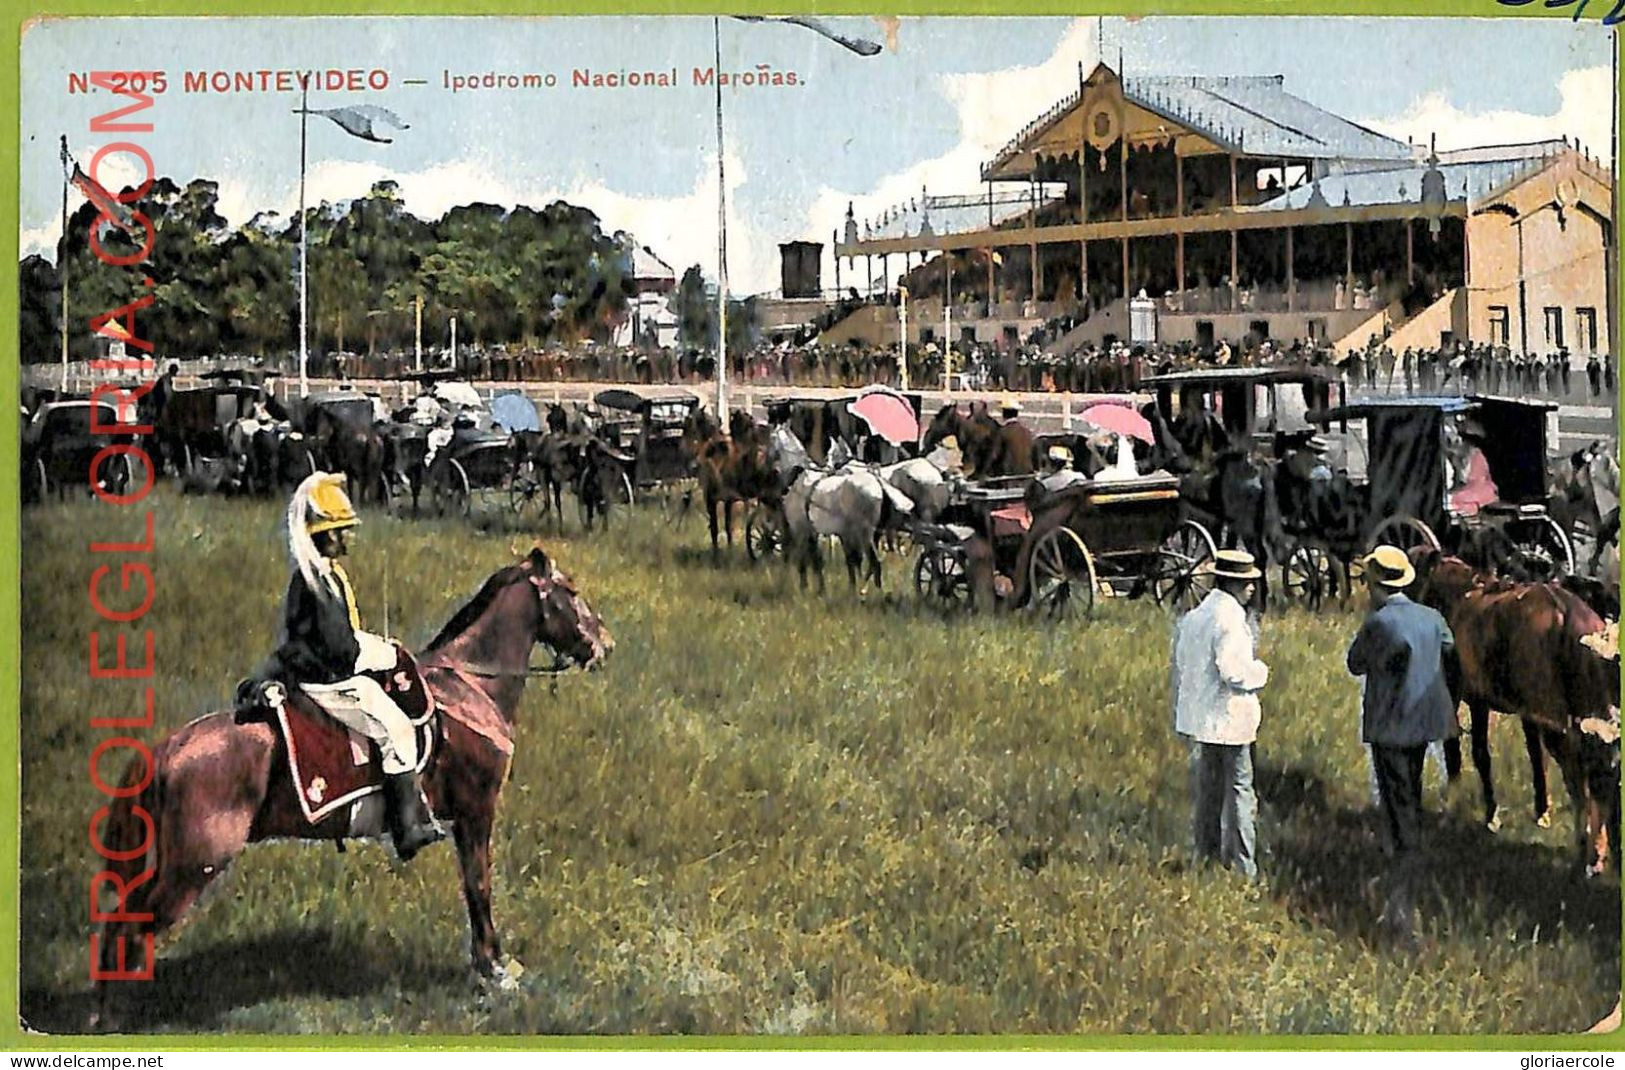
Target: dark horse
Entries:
(218, 785)
(989, 448)
(732, 468)
(356, 450)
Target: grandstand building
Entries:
(1241, 210)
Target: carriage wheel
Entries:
(186, 461)
(451, 491)
(940, 576)
(1405, 532)
(43, 479)
(764, 534)
(1061, 576)
(624, 488)
(527, 495)
(1538, 551)
(1306, 577)
(1183, 575)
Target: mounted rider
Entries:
(325, 652)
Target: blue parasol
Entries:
(515, 412)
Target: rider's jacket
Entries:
(321, 645)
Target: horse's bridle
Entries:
(562, 663)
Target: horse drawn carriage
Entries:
(1234, 431)
(1465, 474)
(645, 435)
(194, 430)
(59, 444)
(475, 459)
(1014, 541)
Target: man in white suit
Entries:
(1216, 680)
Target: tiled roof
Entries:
(1250, 114)
(1256, 116)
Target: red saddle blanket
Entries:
(332, 766)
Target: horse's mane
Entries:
(475, 608)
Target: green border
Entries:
(17, 18)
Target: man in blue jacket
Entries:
(1402, 649)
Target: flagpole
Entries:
(722, 240)
(62, 272)
(304, 120)
(947, 322)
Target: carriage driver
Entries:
(325, 650)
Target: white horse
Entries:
(848, 501)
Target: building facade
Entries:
(1242, 210)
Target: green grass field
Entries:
(772, 813)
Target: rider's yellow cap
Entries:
(328, 507)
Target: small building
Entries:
(649, 319)
(800, 269)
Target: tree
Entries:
(696, 312)
(526, 275)
(39, 311)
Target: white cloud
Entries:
(1581, 114)
(992, 107)
(41, 240)
(115, 171)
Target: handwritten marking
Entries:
(1613, 18)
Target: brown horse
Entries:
(218, 785)
(1525, 650)
(990, 449)
(732, 468)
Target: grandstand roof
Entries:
(1256, 116)
(1462, 181)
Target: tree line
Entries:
(525, 277)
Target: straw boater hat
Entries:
(1060, 453)
(1389, 566)
(1317, 444)
(1008, 403)
(1235, 565)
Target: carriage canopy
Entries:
(1406, 440)
(1248, 400)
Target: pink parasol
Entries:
(888, 416)
(1121, 420)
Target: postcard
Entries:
(798, 526)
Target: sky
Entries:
(942, 97)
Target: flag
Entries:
(110, 206)
(362, 120)
(861, 46)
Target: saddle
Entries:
(332, 767)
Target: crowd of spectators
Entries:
(1033, 366)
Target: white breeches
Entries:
(362, 706)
